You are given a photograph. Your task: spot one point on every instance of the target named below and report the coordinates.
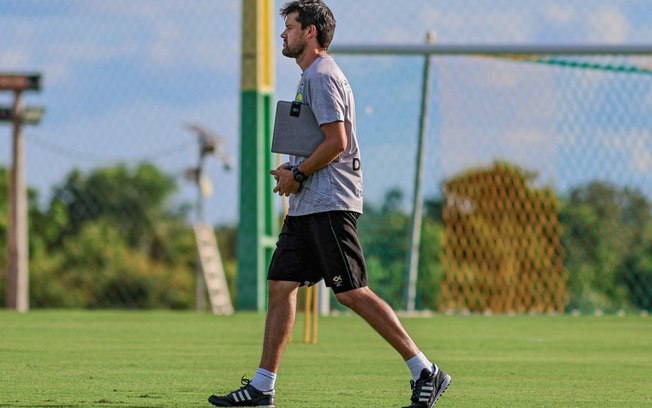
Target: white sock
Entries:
(417, 363)
(263, 380)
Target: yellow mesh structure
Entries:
(502, 250)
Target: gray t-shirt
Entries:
(337, 186)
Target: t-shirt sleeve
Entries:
(326, 99)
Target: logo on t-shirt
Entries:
(299, 97)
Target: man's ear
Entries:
(312, 31)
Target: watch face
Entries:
(299, 176)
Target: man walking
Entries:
(319, 239)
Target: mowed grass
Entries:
(177, 359)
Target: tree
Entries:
(384, 238)
(110, 239)
(137, 201)
(636, 272)
(604, 236)
(96, 268)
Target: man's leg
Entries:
(429, 382)
(281, 312)
(381, 317)
(259, 392)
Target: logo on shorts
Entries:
(337, 281)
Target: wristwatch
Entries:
(298, 174)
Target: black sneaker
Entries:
(428, 388)
(246, 396)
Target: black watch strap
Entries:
(298, 174)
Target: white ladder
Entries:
(211, 264)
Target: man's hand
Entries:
(285, 182)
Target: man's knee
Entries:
(351, 298)
(280, 289)
(343, 298)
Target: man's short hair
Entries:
(313, 12)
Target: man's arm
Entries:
(334, 143)
(329, 149)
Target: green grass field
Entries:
(177, 359)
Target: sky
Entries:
(121, 78)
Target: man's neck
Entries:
(305, 60)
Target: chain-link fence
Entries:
(537, 180)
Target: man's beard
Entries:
(293, 52)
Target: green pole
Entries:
(257, 229)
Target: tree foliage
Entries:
(606, 237)
(136, 201)
(384, 238)
(97, 268)
(109, 238)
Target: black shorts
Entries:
(320, 246)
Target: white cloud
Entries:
(609, 25)
(152, 11)
(641, 34)
(648, 98)
(635, 145)
(157, 36)
(129, 9)
(57, 73)
(497, 26)
(393, 35)
(431, 17)
(560, 14)
(641, 151)
(14, 59)
(91, 52)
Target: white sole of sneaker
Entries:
(442, 389)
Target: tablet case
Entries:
(296, 131)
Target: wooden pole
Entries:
(18, 273)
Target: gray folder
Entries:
(296, 131)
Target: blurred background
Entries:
(537, 181)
